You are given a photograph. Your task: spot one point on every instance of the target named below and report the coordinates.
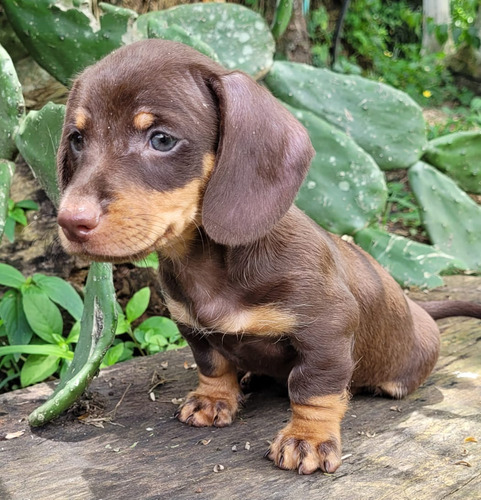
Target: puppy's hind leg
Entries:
(419, 363)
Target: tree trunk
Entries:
(436, 14)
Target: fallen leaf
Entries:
(470, 439)
(13, 435)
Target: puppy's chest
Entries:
(209, 301)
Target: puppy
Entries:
(164, 150)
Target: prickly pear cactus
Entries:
(459, 156)
(410, 263)
(38, 139)
(452, 219)
(344, 190)
(97, 333)
(158, 28)
(239, 36)
(12, 107)
(384, 121)
(7, 168)
(65, 37)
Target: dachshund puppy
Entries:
(164, 150)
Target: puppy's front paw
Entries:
(205, 411)
(290, 451)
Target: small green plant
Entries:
(16, 214)
(152, 335)
(401, 208)
(32, 325)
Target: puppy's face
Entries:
(138, 146)
(158, 139)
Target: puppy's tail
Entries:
(438, 309)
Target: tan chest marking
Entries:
(256, 320)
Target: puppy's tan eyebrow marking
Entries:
(143, 120)
(81, 119)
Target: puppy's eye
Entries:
(163, 142)
(77, 142)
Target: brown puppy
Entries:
(165, 150)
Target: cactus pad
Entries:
(410, 263)
(458, 155)
(344, 190)
(384, 121)
(239, 36)
(12, 106)
(452, 219)
(38, 139)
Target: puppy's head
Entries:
(158, 139)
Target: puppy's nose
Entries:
(78, 222)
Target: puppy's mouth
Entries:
(117, 248)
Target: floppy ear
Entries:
(262, 158)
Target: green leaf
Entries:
(11, 277)
(61, 292)
(138, 304)
(160, 325)
(74, 334)
(42, 314)
(152, 260)
(27, 205)
(42, 349)
(18, 215)
(123, 326)
(37, 368)
(409, 263)
(15, 321)
(113, 355)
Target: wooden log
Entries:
(121, 444)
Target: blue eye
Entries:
(163, 142)
(77, 142)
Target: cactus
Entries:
(384, 121)
(97, 333)
(12, 107)
(409, 263)
(64, 39)
(239, 36)
(7, 168)
(452, 219)
(457, 155)
(282, 16)
(344, 190)
(9, 40)
(158, 28)
(37, 139)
